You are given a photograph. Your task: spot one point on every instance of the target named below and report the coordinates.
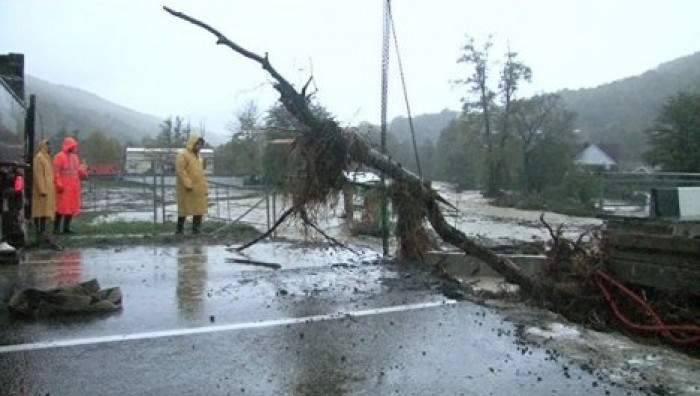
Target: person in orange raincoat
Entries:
(191, 185)
(43, 191)
(67, 174)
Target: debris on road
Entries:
(77, 298)
(254, 262)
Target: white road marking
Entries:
(214, 329)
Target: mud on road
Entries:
(192, 283)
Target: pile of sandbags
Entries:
(79, 298)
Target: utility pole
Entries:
(384, 217)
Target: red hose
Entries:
(678, 334)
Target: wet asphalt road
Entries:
(329, 322)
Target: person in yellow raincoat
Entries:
(43, 190)
(191, 185)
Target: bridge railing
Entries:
(629, 193)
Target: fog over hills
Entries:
(614, 114)
(635, 100)
(64, 107)
(617, 114)
(427, 126)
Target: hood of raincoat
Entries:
(43, 146)
(192, 141)
(69, 143)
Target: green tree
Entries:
(247, 140)
(545, 134)
(174, 132)
(496, 122)
(535, 157)
(100, 148)
(481, 101)
(462, 153)
(552, 151)
(512, 74)
(675, 138)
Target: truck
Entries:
(17, 121)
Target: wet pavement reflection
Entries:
(204, 285)
(327, 322)
(191, 281)
(68, 266)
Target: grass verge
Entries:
(126, 233)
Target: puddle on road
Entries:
(191, 286)
(194, 286)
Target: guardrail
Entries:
(629, 194)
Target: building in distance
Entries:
(146, 160)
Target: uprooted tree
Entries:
(572, 278)
(327, 150)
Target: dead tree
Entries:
(328, 150)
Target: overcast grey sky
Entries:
(135, 54)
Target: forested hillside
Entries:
(427, 126)
(61, 107)
(616, 114)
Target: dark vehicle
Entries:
(16, 147)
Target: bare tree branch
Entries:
(275, 266)
(333, 241)
(303, 90)
(290, 98)
(269, 232)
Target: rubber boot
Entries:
(180, 225)
(57, 224)
(66, 224)
(40, 228)
(46, 240)
(196, 224)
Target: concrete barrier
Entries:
(459, 264)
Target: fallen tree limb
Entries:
(254, 262)
(333, 241)
(360, 151)
(269, 232)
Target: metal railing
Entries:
(629, 193)
(153, 197)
